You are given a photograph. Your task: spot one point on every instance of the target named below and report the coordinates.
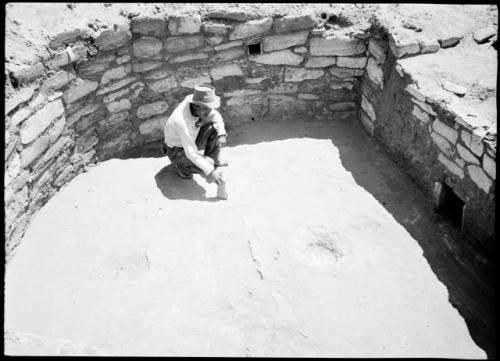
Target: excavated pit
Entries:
(361, 194)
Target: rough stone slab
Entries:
(231, 44)
(345, 73)
(341, 106)
(119, 106)
(479, 177)
(378, 49)
(451, 166)
(292, 23)
(184, 24)
(188, 57)
(123, 59)
(162, 85)
(318, 32)
(443, 145)
(335, 85)
(454, 88)
(136, 89)
(280, 57)
(159, 74)
(356, 63)
(375, 73)
(418, 113)
(368, 108)
(283, 41)
(87, 109)
(26, 73)
(92, 68)
(215, 40)
(85, 142)
(242, 93)
(13, 169)
(489, 166)
(191, 82)
(18, 117)
(38, 100)
(104, 58)
(300, 50)
(336, 46)
(79, 89)
(34, 150)
(251, 28)
(482, 35)
(449, 42)
(214, 28)
(114, 119)
(320, 61)
(223, 71)
(144, 67)
(428, 46)
(474, 143)
(466, 155)
(39, 121)
(117, 85)
(228, 15)
(66, 37)
(306, 96)
(113, 96)
(115, 74)
(115, 37)
(176, 44)
(413, 91)
(283, 88)
(21, 96)
(367, 123)
(445, 130)
(58, 80)
(57, 129)
(299, 74)
(424, 106)
(153, 127)
(229, 55)
(402, 46)
(146, 47)
(151, 109)
(149, 26)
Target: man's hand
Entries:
(216, 176)
(221, 141)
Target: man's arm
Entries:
(189, 145)
(216, 119)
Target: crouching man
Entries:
(195, 134)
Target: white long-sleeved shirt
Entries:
(180, 131)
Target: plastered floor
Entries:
(303, 259)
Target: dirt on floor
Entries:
(324, 248)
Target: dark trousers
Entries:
(206, 140)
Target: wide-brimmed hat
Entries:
(204, 94)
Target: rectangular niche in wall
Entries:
(254, 45)
(449, 204)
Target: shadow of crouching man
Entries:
(173, 187)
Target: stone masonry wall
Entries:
(431, 143)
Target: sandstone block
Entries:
(149, 26)
(65, 176)
(466, 155)
(424, 106)
(489, 166)
(306, 96)
(320, 61)
(136, 89)
(21, 96)
(482, 35)
(335, 85)
(117, 85)
(148, 110)
(283, 88)
(368, 108)
(27, 73)
(299, 74)
(445, 130)
(443, 145)
(420, 115)
(375, 73)
(403, 44)
(153, 128)
(415, 92)
(34, 150)
(229, 55)
(162, 85)
(472, 142)
(223, 71)
(115, 37)
(57, 129)
(282, 41)
(280, 57)
(144, 67)
(176, 44)
(451, 166)
(292, 23)
(336, 46)
(341, 106)
(86, 141)
(118, 106)
(251, 28)
(428, 46)
(367, 123)
(19, 116)
(115, 74)
(123, 59)
(300, 50)
(231, 44)
(184, 24)
(114, 119)
(58, 80)
(66, 37)
(449, 42)
(12, 170)
(146, 47)
(79, 89)
(317, 32)
(378, 49)
(39, 121)
(159, 74)
(87, 109)
(92, 68)
(479, 177)
(113, 96)
(215, 40)
(345, 73)
(188, 57)
(228, 15)
(216, 29)
(190, 82)
(356, 63)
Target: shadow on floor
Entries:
(174, 187)
(470, 284)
